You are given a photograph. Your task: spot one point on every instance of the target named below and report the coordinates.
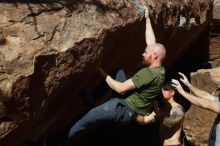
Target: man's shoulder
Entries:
(144, 71)
(159, 69)
(178, 107)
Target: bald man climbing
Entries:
(144, 86)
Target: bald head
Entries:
(158, 49)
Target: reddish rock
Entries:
(198, 121)
(51, 51)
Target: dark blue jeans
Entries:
(114, 110)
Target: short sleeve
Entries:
(142, 77)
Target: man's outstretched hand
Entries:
(184, 79)
(176, 84)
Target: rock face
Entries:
(198, 121)
(216, 9)
(50, 50)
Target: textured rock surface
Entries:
(214, 49)
(51, 50)
(198, 121)
(216, 9)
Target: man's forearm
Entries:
(194, 99)
(149, 33)
(204, 103)
(120, 87)
(143, 120)
(115, 85)
(200, 93)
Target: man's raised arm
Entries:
(149, 33)
(198, 92)
(201, 102)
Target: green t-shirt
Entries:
(148, 82)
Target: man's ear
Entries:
(155, 55)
